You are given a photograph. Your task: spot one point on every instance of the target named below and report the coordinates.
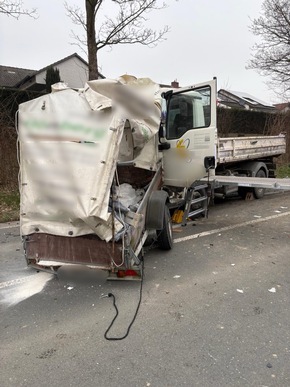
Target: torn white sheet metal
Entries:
(69, 145)
(139, 101)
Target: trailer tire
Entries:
(259, 192)
(164, 236)
(155, 210)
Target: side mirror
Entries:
(209, 162)
(161, 135)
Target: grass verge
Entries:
(283, 171)
(9, 206)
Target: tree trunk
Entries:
(91, 39)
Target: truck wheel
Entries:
(164, 236)
(259, 192)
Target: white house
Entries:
(73, 71)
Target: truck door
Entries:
(190, 134)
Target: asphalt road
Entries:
(215, 310)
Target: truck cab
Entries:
(188, 133)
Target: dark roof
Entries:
(242, 100)
(10, 76)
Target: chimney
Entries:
(175, 84)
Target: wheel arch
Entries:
(254, 167)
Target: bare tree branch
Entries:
(271, 57)
(79, 41)
(127, 26)
(76, 14)
(15, 9)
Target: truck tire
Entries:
(259, 192)
(164, 236)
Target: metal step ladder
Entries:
(191, 200)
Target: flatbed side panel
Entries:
(88, 250)
(244, 148)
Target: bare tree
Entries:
(272, 55)
(126, 27)
(15, 9)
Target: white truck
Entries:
(102, 167)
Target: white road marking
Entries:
(17, 281)
(9, 225)
(17, 290)
(218, 230)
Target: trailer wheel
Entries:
(259, 192)
(164, 236)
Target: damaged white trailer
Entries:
(102, 166)
(81, 152)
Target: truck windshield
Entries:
(188, 110)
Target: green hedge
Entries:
(242, 122)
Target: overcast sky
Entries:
(207, 38)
